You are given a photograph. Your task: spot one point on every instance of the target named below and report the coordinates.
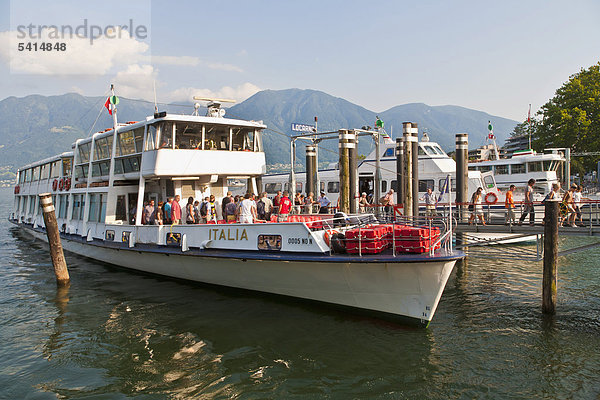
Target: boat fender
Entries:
(491, 198)
(206, 244)
(54, 185)
(338, 243)
(327, 236)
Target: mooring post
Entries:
(550, 257)
(415, 169)
(311, 167)
(399, 170)
(462, 174)
(407, 192)
(353, 172)
(344, 169)
(56, 250)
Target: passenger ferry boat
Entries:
(100, 187)
(545, 168)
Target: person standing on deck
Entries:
(167, 211)
(149, 213)
(247, 210)
(189, 210)
(324, 203)
(267, 207)
(284, 207)
(276, 201)
(509, 203)
(363, 202)
(212, 209)
(528, 204)
(159, 214)
(176, 211)
(226, 200)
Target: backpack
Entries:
(260, 209)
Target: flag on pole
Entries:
(108, 106)
(491, 130)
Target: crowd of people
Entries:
(246, 209)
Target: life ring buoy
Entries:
(17, 189)
(55, 185)
(327, 236)
(61, 184)
(67, 183)
(491, 198)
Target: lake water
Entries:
(116, 334)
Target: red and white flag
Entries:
(108, 106)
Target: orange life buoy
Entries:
(61, 184)
(494, 198)
(67, 183)
(327, 236)
(55, 185)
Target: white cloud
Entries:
(239, 93)
(79, 57)
(136, 82)
(174, 60)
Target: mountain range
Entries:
(35, 127)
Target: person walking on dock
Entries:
(509, 203)
(569, 219)
(577, 204)
(528, 204)
(477, 207)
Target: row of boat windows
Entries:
(334, 187)
(424, 149)
(49, 170)
(96, 212)
(535, 166)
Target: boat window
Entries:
(395, 185)
(442, 182)
(127, 164)
(428, 149)
(21, 176)
(489, 181)
(322, 186)
(472, 168)
(126, 143)
(35, 174)
(32, 201)
(45, 171)
(66, 166)
(389, 152)
(535, 166)
(103, 148)
(272, 187)
(54, 169)
(243, 139)
(82, 208)
(421, 151)
(501, 169)
(93, 210)
(383, 186)
(517, 168)
(425, 184)
(333, 187)
(64, 206)
(216, 137)
(84, 152)
(549, 165)
(81, 171)
(28, 175)
(120, 209)
(100, 168)
(439, 150)
(298, 187)
(76, 206)
(188, 135)
(485, 168)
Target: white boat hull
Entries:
(408, 290)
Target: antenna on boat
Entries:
(214, 106)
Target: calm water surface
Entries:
(115, 334)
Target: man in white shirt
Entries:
(247, 210)
(324, 203)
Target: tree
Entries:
(572, 117)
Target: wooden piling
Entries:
(550, 257)
(407, 189)
(344, 169)
(414, 176)
(353, 174)
(56, 250)
(462, 175)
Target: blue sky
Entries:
(492, 56)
